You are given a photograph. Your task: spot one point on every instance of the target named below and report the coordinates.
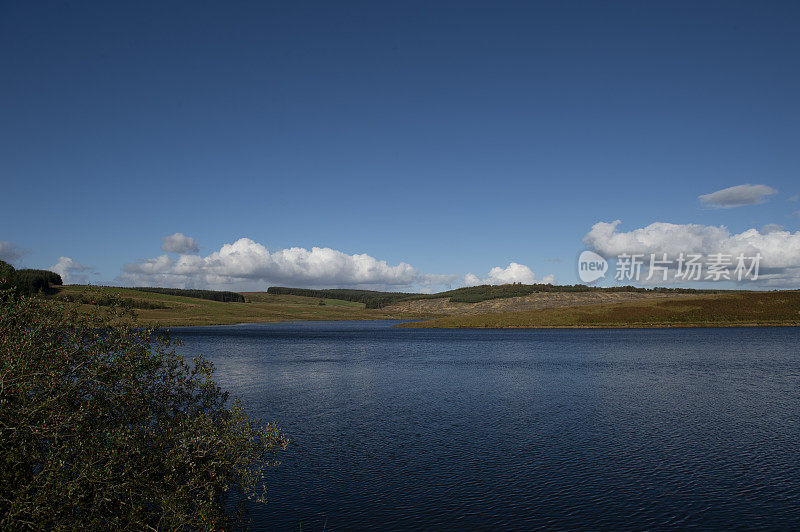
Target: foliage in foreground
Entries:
(107, 427)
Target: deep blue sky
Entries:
(455, 136)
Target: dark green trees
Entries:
(212, 295)
(27, 281)
(8, 276)
(34, 281)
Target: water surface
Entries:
(457, 429)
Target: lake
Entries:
(517, 429)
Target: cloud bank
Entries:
(179, 243)
(246, 264)
(738, 196)
(780, 249)
(71, 272)
(513, 273)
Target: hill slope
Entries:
(468, 294)
(168, 310)
(714, 310)
(447, 306)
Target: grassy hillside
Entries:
(476, 294)
(444, 306)
(579, 308)
(468, 294)
(720, 310)
(259, 307)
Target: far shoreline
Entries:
(593, 327)
(413, 325)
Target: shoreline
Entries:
(417, 324)
(611, 326)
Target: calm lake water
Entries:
(458, 429)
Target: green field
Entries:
(172, 310)
(712, 310)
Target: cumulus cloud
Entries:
(179, 243)
(737, 196)
(779, 248)
(771, 228)
(10, 252)
(160, 264)
(513, 273)
(71, 272)
(247, 264)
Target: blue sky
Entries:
(452, 136)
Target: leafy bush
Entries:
(106, 427)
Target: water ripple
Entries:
(427, 429)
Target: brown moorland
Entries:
(779, 308)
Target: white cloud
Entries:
(771, 228)
(513, 273)
(738, 196)
(779, 248)
(246, 264)
(160, 264)
(179, 243)
(10, 252)
(472, 280)
(794, 198)
(71, 272)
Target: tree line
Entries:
(213, 295)
(370, 298)
(27, 281)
